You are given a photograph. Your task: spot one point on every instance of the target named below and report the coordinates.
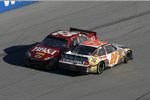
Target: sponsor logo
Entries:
(93, 60)
(38, 56)
(7, 3)
(45, 50)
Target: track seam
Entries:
(120, 20)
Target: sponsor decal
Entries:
(7, 3)
(93, 60)
(45, 50)
(114, 57)
(38, 56)
(40, 53)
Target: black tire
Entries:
(100, 67)
(128, 57)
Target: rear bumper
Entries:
(74, 67)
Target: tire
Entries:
(128, 57)
(100, 67)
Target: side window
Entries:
(101, 52)
(114, 47)
(109, 48)
(74, 42)
(82, 38)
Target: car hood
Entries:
(42, 52)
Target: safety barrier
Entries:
(8, 5)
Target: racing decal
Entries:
(7, 3)
(93, 69)
(121, 53)
(45, 50)
(94, 43)
(114, 57)
(104, 57)
(64, 33)
(93, 60)
(38, 56)
(40, 53)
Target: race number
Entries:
(113, 58)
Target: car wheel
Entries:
(128, 57)
(100, 67)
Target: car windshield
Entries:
(84, 50)
(54, 42)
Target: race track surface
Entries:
(126, 23)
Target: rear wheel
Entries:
(100, 67)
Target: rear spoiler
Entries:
(83, 31)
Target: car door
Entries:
(112, 54)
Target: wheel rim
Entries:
(100, 68)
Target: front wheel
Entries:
(128, 57)
(100, 67)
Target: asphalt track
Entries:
(126, 23)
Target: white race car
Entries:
(95, 56)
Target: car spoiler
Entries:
(83, 31)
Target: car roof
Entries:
(94, 43)
(64, 34)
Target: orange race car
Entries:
(95, 56)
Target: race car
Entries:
(95, 56)
(46, 54)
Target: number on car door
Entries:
(112, 54)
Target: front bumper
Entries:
(74, 67)
(41, 63)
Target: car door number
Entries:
(113, 58)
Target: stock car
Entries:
(95, 56)
(47, 53)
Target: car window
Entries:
(109, 48)
(82, 38)
(101, 52)
(74, 42)
(83, 50)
